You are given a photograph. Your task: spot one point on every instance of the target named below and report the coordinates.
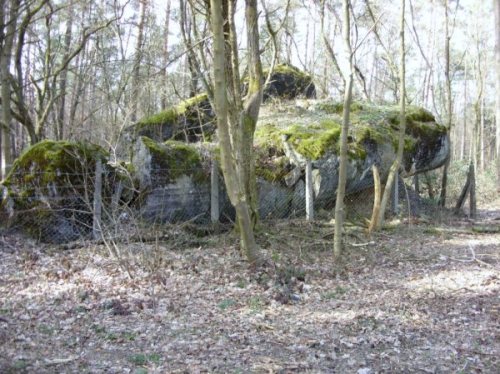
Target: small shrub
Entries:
(256, 303)
(141, 359)
(226, 303)
(335, 294)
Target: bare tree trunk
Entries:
(349, 81)
(7, 33)
(464, 119)
(497, 105)
(192, 63)
(326, 41)
(465, 190)
(472, 192)
(482, 151)
(393, 71)
(376, 199)
(444, 180)
(165, 56)
(138, 59)
(64, 79)
(394, 170)
(236, 149)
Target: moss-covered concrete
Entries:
(289, 82)
(315, 133)
(191, 120)
(381, 124)
(173, 159)
(53, 181)
(53, 161)
(338, 108)
(313, 141)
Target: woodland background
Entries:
(86, 70)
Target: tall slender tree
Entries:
(237, 117)
(8, 22)
(143, 6)
(348, 76)
(448, 100)
(61, 116)
(497, 102)
(166, 55)
(394, 170)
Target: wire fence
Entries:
(97, 203)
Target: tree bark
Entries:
(236, 138)
(376, 199)
(472, 192)
(326, 41)
(192, 62)
(137, 60)
(165, 55)
(394, 170)
(449, 113)
(64, 79)
(8, 16)
(497, 104)
(465, 191)
(349, 75)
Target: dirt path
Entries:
(421, 298)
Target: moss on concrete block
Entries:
(52, 161)
(289, 82)
(174, 159)
(191, 120)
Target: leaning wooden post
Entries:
(472, 191)
(96, 226)
(214, 192)
(309, 192)
(395, 194)
(416, 184)
(464, 193)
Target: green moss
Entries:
(171, 115)
(268, 140)
(49, 161)
(288, 82)
(418, 114)
(169, 123)
(272, 169)
(63, 168)
(192, 103)
(425, 130)
(314, 141)
(338, 108)
(289, 70)
(165, 117)
(356, 152)
(365, 132)
(369, 124)
(176, 158)
(410, 144)
(311, 141)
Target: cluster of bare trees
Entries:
(72, 69)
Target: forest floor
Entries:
(417, 297)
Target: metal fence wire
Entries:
(77, 206)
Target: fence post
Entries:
(96, 226)
(395, 195)
(416, 184)
(214, 192)
(309, 192)
(472, 192)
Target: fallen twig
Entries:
(473, 258)
(362, 244)
(58, 361)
